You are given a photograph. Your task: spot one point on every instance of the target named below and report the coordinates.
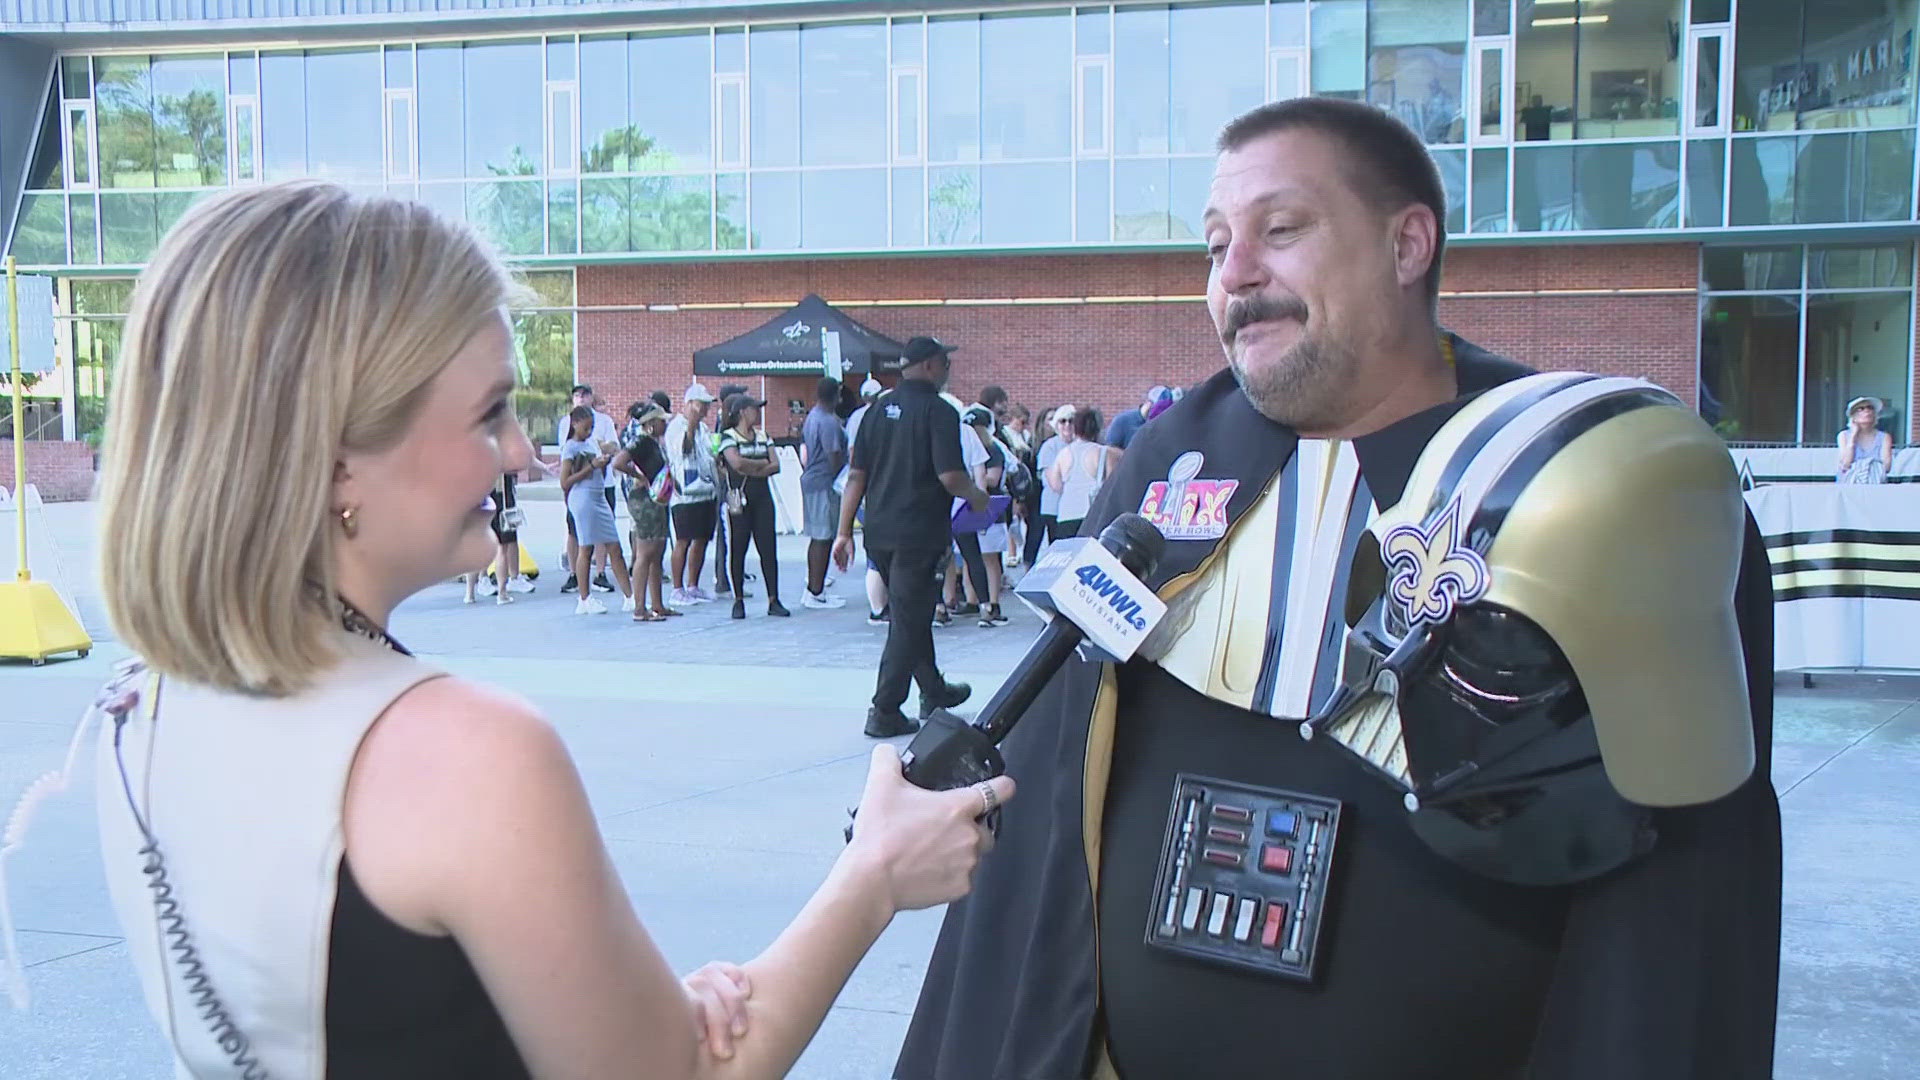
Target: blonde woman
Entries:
(372, 869)
(1866, 452)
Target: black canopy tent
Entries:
(789, 344)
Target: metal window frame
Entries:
(896, 73)
(68, 106)
(1723, 33)
(569, 165)
(1303, 54)
(387, 139)
(1477, 49)
(1082, 65)
(251, 103)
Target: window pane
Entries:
(953, 205)
(283, 115)
(128, 230)
(243, 73)
(78, 150)
(1860, 55)
(447, 199)
(1543, 189)
(1836, 267)
(1492, 18)
(1093, 211)
(1140, 200)
(1706, 82)
(909, 41)
(400, 138)
(505, 135)
(672, 213)
(1287, 24)
(40, 239)
(604, 137)
(1417, 67)
(344, 142)
(1453, 180)
(1857, 343)
(730, 51)
(1140, 88)
(441, 114)
(545, 345)
(560, 112)
(953, 89)
(560, 58)
(76, 78)
(1749, 367)
(906, 114)
(843, 208)
(672, 103)
(774, 86)
(603, 215)
(124, 118)
(563, 208)
(1766, 72)
(1219, 63)
(730, 211)
(1026, 204)
(1493, 90)
(1712, 11)
(1092, 32)
(85, 229)
(909, 207)
(1864, 176)
(1026, 80)
(399, 63)
(1187, 182)
(1706, 177)
(843, 94)
(1544, 77)
(511, 213)
(45, 172)
(1629, 76)
(776, 210)
(1750, 269)
(1489, 191)
(1339, 48)
(1628, 186)
(1762, 181)
(170, 206)
(732, 96)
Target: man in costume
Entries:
(1450, 758)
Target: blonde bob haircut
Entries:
(276, 329)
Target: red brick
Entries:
(62, 471)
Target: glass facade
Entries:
(1010, 126)
(1045, 125)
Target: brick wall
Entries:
(1108, 354)
(62, 471)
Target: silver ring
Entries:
(988, 799)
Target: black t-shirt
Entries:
(646, 454)
(996, 459)
(908, 438)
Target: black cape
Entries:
(1665, 969)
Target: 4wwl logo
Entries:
(1114, 593)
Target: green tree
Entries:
(199, 122)
(125, 124)
(955, 206)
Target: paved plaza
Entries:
(721, 757)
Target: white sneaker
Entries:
(486, 587)
(590, 606)
(830, 580)
(702, 596)
(627, 604)
(519, 585)
(684, 598)
(822, 602)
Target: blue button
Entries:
(1282, 822)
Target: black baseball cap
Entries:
(921, 349)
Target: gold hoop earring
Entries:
(349, 523)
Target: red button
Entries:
(1276, 922)
(1276, 858)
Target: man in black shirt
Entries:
(907, 467)
(1135, 922)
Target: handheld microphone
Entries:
(1093, 596)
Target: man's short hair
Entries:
(1390, 166)
(992, 397)
(827, 391)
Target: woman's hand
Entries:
(924, 845)
(719, 993)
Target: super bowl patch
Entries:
(1185, 507)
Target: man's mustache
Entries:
(1243, 311)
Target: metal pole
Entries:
(19, 425)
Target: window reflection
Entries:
(505, 109)
(953, 205)
(776, 210)
(1140, 81)
(1857, 343)
(1608, 186)
(671, 109)
(843, 94)
(774, 86)
(671, 213)
(1819, 64)
(511, 213)
(190, 120)
(1489, 190)
(439, 108)
(1217, 71)
(1026, 203)
(1339, 30)
(1809, 179)
(1026, 80)
(603, 103)
(953, 89)
(124, 117)
(1416, 65)
(843, 208)
(1749, 366)
(1140, 200)
(344, 114)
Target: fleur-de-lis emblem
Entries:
(795, 329)
(1432, 572)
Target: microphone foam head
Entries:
(1136, 542)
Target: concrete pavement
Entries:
(721, 756)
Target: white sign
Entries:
(830, 352)
(36, 325)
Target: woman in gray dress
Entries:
(583, 468)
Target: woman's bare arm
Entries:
(465, 816)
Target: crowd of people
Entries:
(697, 477)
